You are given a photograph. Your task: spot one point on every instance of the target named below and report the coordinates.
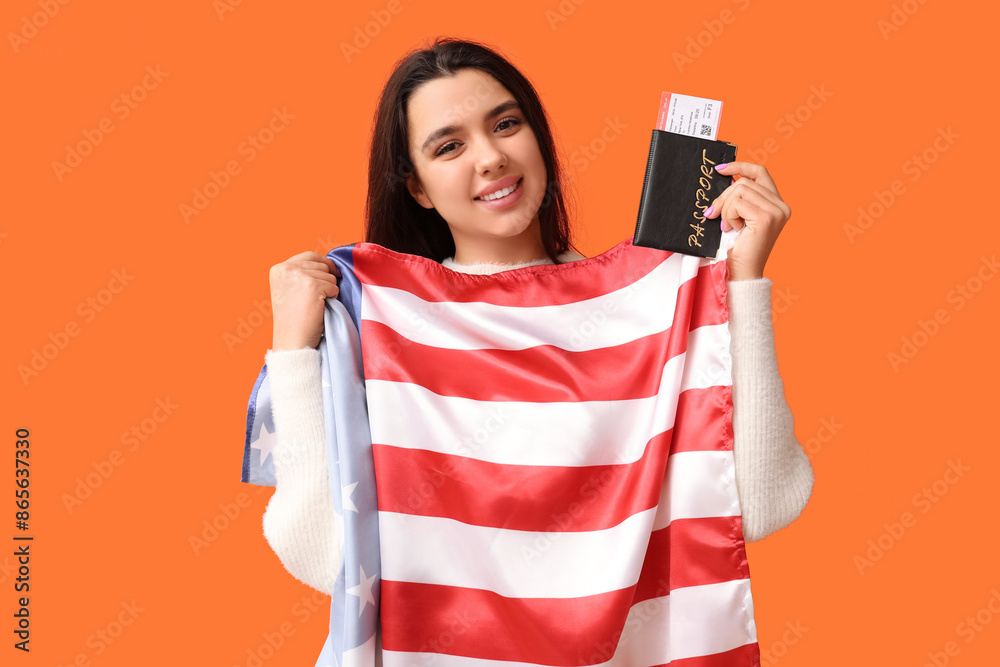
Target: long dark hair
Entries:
(393, 219)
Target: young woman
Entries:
(463, 171)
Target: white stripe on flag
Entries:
(536, 564)
(697, 485)
(707, 361)
(692, 621)
(362, 656)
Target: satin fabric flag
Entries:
(552, 447)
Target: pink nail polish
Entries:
(722, 225)
(722, 166)
(708, 211)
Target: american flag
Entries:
(553, 451)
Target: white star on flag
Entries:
(364, 591)
(265, 443)
(347, 502)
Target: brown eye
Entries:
(442, 151)
(514, 122)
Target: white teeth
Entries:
(500, 193)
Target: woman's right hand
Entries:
(299, 288)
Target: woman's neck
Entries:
(527, 247)
(504, 260)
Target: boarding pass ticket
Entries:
(693, 116)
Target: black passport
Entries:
(680, 183)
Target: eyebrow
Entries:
(444, 131)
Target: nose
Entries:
(489, 156)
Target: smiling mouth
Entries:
(508, 191)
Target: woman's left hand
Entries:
(751, 203)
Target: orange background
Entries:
(846, 302)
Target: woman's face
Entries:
(467, 136)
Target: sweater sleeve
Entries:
(774, 477)
(299, 521)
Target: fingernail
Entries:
(722, 225)
(708, 211)
(722, 166)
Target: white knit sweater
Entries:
(774, 477)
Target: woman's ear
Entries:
(413, 185)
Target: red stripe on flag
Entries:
(481, 624)
(748, 655)
(693, 552)
(529, 286)
(519, 497)
(541, 374)
(704, 420)
(710, 307)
